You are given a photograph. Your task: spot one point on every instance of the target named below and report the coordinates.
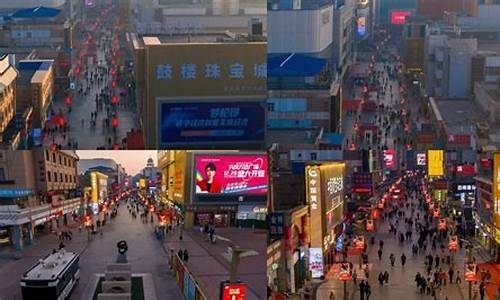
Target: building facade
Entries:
(8, 76)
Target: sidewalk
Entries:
(209, 267)
(401, 279)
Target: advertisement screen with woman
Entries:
(231, 174)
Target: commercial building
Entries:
(115, 172)
(448, 64)
(8, 76)
(39, 193)
(35, 91)
(224, 188)
(178, 16)
(219, 78)
(309, 48)
(46, 31)
(435, 9)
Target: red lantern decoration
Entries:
(453, 244)
(116, 146)
(114, 99)
(369, 225)
(345, 271)
(53, 147)
(113, 84)
(375, 214)
(436, 213)
(68, 100)
(442, 224)
(470, 272)
(114, 122)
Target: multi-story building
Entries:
(46, 31)
(448, 64)
(219, 77)
(39, 192)
(8, 76)
(115, 172)
(35, 90)
(304, 65)
(164, 16)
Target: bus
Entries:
(53, 277)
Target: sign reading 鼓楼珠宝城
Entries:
(188, 123)
(207, 69)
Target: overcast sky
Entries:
(132, 160)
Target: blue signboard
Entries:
(185, 123)
(12, 193)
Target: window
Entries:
(65, 177)
(270, 106)
(314, 156)
(60, 177)
(53, 157)
(55, 177)
(60, 160)
(65, 161)
(49, 179)
(47, 156)
(2, 174)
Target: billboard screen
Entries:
(435, 163)
(399, 17)
(361, 24)
(231, 177)
(188, 123)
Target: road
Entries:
(145, 254)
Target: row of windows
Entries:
(60, 177)
(63, 160)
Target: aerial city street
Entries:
(250, 149)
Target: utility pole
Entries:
(235, 261)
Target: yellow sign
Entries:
(435, 163)
(95, 188)
(142, 183)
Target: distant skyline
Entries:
(132, 160)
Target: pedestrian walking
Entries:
(379, 254)
(403, 259)
(392, 258)
(185, 255)
(381, 278)
(362, 287)
(386, 277)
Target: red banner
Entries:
(458, 139)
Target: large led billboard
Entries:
(187, 124)
(398, 17)
(222, 177)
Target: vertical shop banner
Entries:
(421, 159)
(316, 262)
(233, 291)
(435, 163)
(313, 194)
(389, 158)
(276, 225)
(496, 187)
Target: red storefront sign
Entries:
(234, 291)
(345, 271)
(458, 139)
(453, 244)
(466, 170)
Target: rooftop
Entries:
(36, 12)
(206, 37)
(49, 267)
(459, 116)
(33, 71)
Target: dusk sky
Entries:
(132, 160)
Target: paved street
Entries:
(145, 254)
(210, 267)
(401, 279)
(92, 94)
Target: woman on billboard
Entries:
(209, 184)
